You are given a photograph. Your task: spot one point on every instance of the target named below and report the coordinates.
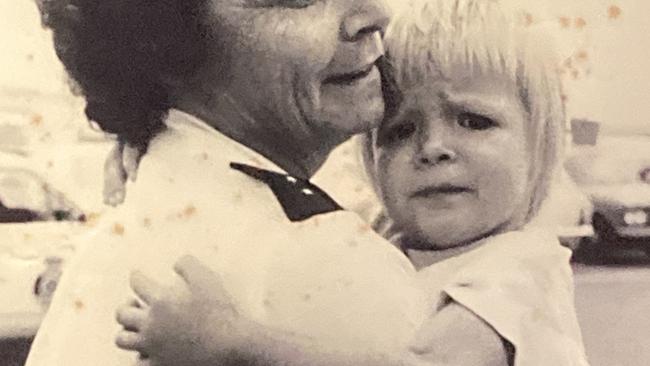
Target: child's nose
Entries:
(435, 145)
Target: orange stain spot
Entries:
(614, 12)
(91, 219)
(528, 19)
(50, 164)
(189, 211)
(146, 222)
(364, 228)
(565, 22)
(564, 98)
(118, 229)
(580, 23)
(205, 156)
(36, 120)
(582, 55)
(78, 305)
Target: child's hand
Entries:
(192, 324)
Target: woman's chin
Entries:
(353, 120)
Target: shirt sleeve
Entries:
(521, 284)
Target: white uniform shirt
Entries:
(328, 277)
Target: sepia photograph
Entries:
(324, 183)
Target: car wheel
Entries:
(590, 251)
(647, 251)
(604, 230)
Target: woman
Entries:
(225, 97)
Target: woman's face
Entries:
(306, 63)
(453, 165)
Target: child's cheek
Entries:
(393, 172)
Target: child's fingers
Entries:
(197, 275)
(131, 318)
(144, 287)
(130, 341)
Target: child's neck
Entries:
(422, 258)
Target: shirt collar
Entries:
(233, 150)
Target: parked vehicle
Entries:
(616, 177)
(26, 197)
(36, 223)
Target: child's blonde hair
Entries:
(429, 37)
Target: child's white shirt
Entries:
(521, 284)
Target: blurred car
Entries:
(26, 197)
(36, 223)
(621, 215)
(616, 177)
(565, 211)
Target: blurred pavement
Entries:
(613, 304)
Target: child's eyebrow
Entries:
(478, 104)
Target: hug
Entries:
(228, 254)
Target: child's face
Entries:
(453, 165)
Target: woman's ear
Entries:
(114, 177)
(121, 164)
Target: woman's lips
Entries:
(349, 78)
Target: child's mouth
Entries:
(438, 190)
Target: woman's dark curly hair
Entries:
(119, 52)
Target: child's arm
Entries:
(198, 326)
(456, 336)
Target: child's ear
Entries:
(114, 177)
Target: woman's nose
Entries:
(365, 18)
(435, 147)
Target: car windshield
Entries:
(613, 161)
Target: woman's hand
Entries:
(191, 324)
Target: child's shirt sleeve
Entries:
(521, 284)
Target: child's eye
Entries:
(298, 3)
(475, 121)
(398, 132)
(295, 4)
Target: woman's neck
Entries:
(299, 151)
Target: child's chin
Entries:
(431, 242)
(451, 237)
